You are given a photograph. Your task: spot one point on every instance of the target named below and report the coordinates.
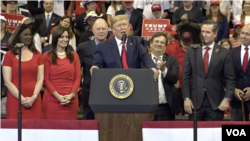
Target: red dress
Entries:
(29, 70)
(63, 78)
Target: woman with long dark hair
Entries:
(32, 72)
(62, 78)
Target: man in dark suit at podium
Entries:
(168, 75)
(214, 63)
(240, 56)
(113, 53)
(50, 19)
(86, 53)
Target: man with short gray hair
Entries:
(215, 72)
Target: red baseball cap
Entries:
(186, 35)
(171, 29)
(156, 7)
(240, 23)
(11, 1)
(125, 1)
(214, 2)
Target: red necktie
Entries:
(124, 57)
(205, 59)
(245, 60)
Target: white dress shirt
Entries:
(162, 97)
(209, 51)
(120, 45)
(50, 14)
(242, 53)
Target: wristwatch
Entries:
(35, 96)
(46, 38)
(73, 95)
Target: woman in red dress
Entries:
(61, 78)
(32, 72)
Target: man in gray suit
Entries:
(215, 72)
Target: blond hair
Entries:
(8, 9)
(114, 5)
(118, 18)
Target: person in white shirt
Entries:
(146, 5)
(115, 6)
(168, 75)
(245, 15)
(59, 7)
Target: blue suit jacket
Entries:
(242, 78)
(107, 54)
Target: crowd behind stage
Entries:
(58, 59)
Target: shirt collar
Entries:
(48, 13)
(211, 46)
(96, 43)
(118, 41)
(129, 12)
(152, 55)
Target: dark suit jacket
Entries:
(33, 8)
(169, 81)
(242, 78)
(107, 54)
(220, 66)
(44, 31)
(135, 20)
(86, 53)
(48, 48)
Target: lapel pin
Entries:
(217, 50)
(53, 17)
(131, 44)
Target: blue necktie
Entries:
(48, 20)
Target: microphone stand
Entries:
(19, 46)
(195, 47)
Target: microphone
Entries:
(124, 37)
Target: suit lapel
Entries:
(115, 51)
(130, 51)
(214, 56)
(52, 19)
(238, 59)
(132, 16)
(92, 48)
(44, 22)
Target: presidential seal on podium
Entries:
(121, 86)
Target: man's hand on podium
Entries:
(156, 73)
(93, 67)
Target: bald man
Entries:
(240, 56)
(86, 52)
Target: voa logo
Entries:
(236, 132)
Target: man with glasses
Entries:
(113, 53)
(168, 75)
(50, 19)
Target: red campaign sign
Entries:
(12, 21)
(151, 26)
(73, 15)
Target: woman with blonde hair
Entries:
(245, 15)
(115, 6)
(12, 7)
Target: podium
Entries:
(121, 100)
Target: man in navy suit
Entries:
(109, 53)
(50, 19)
(240, 56)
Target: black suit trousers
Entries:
(206, 113)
